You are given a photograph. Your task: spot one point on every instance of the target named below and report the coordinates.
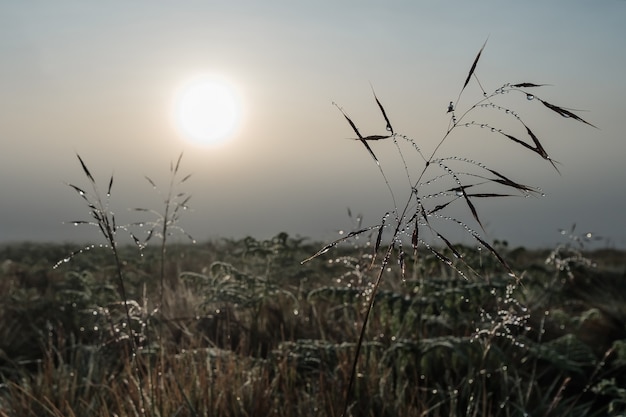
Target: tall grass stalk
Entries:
(104, 220)
(462, 181)
(166, 222)
(163, 226)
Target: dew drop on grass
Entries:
(529, 97)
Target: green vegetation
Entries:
(246, 330)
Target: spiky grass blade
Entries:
(439, 207)
(150, 181)
(473, 68)
(382, 110)
(334, 243)
(527, 85)
(564, 112)
(495, 253)
(472, 208)
(450, 246)
(87, 173)
(375, 137)
(510, 183)
(361, 138)
(178, 163)
(539, 148)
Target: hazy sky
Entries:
(99, 79)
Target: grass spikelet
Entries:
(384, 113)
(564, 112)
(473, 68)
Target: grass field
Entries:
(391, 319)
(241, 328)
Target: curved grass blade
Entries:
(358, 134)
(80, 191)
(379, 238)
(85, 169)
(350, 122)
(150, 181)
(539, 148)
(336, 242)
(439, 207)
(473, 68)
(527, 85)
(564, 112)
(382, 110)
(376, 137)
(495, 253)
(370, 150)
(450, 246)
(178, 163)
(415, 238)
(110, 186)
(472, 209)
(508, 182)
(487, 195)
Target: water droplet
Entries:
(529, 97)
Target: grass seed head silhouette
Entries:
(461, 181)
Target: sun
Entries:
(207, 110)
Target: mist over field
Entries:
(101, 81)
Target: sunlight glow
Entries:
(207, 110)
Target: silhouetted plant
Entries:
(437, 183)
